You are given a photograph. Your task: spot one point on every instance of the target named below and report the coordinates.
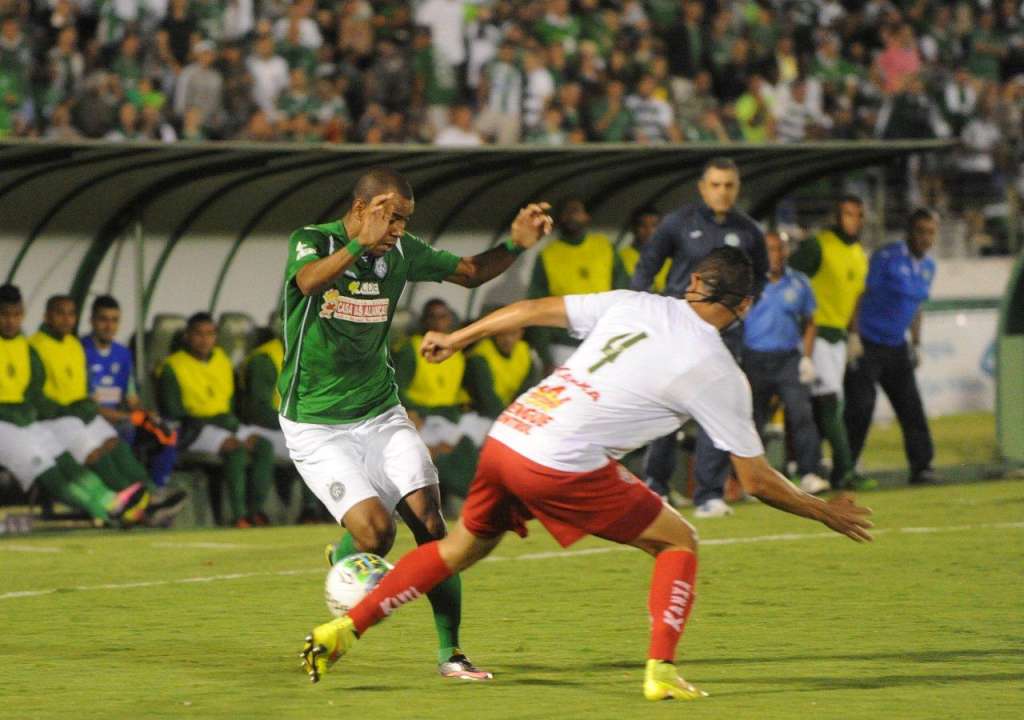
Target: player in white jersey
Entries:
(646, 365)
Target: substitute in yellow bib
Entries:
(437, 402)
(66, 408)
(576, 262)
(837, 266)
(643, 224)
(498, 370)
(196, 387)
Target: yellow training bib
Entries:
(436, 385)
(64, 361)
(579, 269)
(15, 370)
(509, 373)
(206, 387)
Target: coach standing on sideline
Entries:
(899, 279)
(685, 236)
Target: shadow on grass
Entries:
(925, 656)
(820, 683)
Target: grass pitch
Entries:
(790, 622)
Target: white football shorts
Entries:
(28, 451)
(80, 438)
(382, 457)
(830, 364)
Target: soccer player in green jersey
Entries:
(346, 432)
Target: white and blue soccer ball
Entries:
(350, 579)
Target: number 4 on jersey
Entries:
(615, 347)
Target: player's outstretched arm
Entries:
(531, 224)
(548, 312)
(762, 481)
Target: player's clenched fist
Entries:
(531, 224)
(437, 347)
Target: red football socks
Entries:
(415, 574)
(670, 601)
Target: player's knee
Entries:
(435, 526)
(230, 445)
(376, 536)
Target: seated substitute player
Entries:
(498, 370)
(66, 408)
(551, 454)
(196, 387)
(28, 448)
(347, 433)
(258, 402)
(112, 386)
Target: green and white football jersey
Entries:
(336, 367)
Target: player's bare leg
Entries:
(416, 574)
(673, 543)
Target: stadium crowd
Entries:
(551, 72)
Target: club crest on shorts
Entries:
(732, 240)
(337, 491)
(380, 267)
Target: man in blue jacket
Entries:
(685, 236)
(899, 280)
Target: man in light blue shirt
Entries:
(899, 280)
(778, 339)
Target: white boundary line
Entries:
(784, 537)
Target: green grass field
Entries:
(790, 622)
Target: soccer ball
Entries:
(350, 579)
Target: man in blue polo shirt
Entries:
(778, 341)
(685, 236)
(899, 279)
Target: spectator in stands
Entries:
(66, 70)
(778, 339)
(269, 73)
(754, 112)
(899, 280)
(178, 32)
(500, 97)
(575, 262)
(900, 59)
(30, 449)
(910, 114)
(435, 85)
(127, 128)
(653, 121)
(612, 120)
(796, 118)
(196, 388)
(459, 132)
(837, 265)
(111, 378)
(540, 88)
(959, 98)
(642, 225)
(201, 86)
(688, 48)
(685, 236)
(66, 408)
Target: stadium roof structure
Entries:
(103, 190)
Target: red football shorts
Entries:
(509, 489)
